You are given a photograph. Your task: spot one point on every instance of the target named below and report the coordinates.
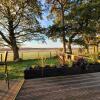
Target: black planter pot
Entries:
(49, 71)
(62, 70)
(94, 68)
(37, 72)
(28, 73)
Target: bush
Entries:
(81, 63)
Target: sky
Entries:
(49, 43)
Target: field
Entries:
(32, 54)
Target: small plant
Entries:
(82, 62)
(42, 61)
(93, 58)
(62, 58)
(70, 63)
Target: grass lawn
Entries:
(16, 70)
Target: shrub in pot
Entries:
(81, 65)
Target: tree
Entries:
(80, 18)
(70, 34)
(63, 21)
(19, 22)
(58, 9)
(87, 14)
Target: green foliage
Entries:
(93, 58)
(70, 63)
(81, 21)
(42, 61)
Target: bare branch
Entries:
(20, 15)
(4, 26)
(17, 23)
(73, 35)
(4, 37)
(21, 35)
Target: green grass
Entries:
(16, 70)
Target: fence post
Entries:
(1, 57)
(56, 53)
(38, 55)
(50, 54)
(22, 55)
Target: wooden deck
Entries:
(10, 94)
(75, 87)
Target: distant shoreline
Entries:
(38, 49)
(35, 49)
(21, 49)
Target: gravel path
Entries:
(75, 87)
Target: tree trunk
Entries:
(87, 48)
(97, 48)
(15, 49)
(63, 32)
(69, 47)
(12, 37)
(94, 49)
(15, 53)
(64, 44)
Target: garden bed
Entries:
(61, 70)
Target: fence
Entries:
(36, 54)
(25, 55)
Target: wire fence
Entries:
(37, 54)
(25, 55)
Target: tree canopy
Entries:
(81, 17)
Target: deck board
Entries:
(73, 87)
